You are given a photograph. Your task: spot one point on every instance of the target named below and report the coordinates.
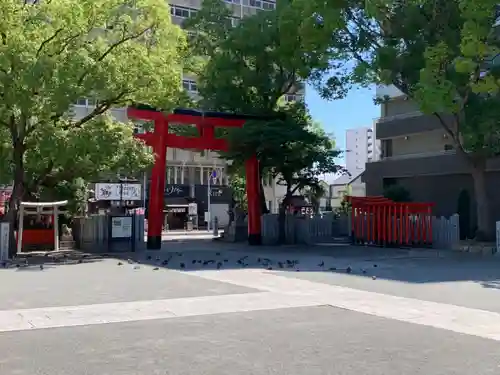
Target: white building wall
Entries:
(361, 147)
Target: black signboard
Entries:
(218, 194)
(176, 191)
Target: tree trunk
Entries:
(17, 193)
(282, 217)
(263, 203)
(485, 230)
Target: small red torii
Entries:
(160, 139)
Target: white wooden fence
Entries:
(304, 229)
(445, 232)
(324, 228)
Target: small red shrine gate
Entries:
(160, 139)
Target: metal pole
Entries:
(208, 200)
(55, 212)
(144, 183)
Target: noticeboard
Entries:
(121, 227)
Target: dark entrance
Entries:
(176, 217)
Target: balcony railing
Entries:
(413, 156)
(399, 117)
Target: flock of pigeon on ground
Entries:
(179, 261)
(22, 262)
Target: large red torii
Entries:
(160, 139)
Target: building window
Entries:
(234, 21)
(86, 102)
(170, 175)
(386, 148)
(294, 98)
(233, 1)
(389, 181)
(260, 4)
(197, 175)
(182, 12)
(190, 86)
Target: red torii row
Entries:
(160, 139)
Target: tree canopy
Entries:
(438, 53)
(53, 53)
(248, 68)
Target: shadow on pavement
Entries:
(410, 266)
(195, 254)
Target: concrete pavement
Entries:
(251, 316)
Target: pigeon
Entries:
(219, 265)
(136, 267)
(374, 277)
(165, 262)
(225, 260)
(158, 260)
(348, 270)
(321, 264)
(269, 268)
(120, 263)
(182, 265)
(280, 265)
(149, 257)
(130, 261)
(41, 266)
(258, 260)
(375, 266)
(297, 270)
(332, 269)
(193, 262)
(364, 271)
(80, 261)
(156, 269)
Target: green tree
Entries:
(315, 193)
(55, 52)
(438, 53)
(250, 67)
(290, 149)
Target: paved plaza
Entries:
(204, 307)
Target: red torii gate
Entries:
(160, 139)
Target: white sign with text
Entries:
(117, 192)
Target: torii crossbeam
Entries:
(160, 139)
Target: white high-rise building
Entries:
(361, 148)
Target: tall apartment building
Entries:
(417, 154)
(361, 147)
(187, 170)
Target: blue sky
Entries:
(356, 110)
